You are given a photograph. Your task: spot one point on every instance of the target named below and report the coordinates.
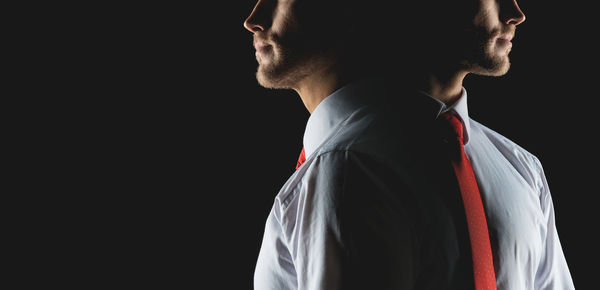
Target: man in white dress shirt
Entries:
(376, 204)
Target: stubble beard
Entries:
(486, 58)
(282, 67)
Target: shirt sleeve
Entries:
(553, 271)
(345, 226)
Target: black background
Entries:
(156, 156)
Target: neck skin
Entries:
(445, 86)
(321, 83)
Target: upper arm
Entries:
(348, 227)
(553, 271)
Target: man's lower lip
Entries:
(504, 42)
(262, 47)
(258, 52)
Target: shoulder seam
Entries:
(295, 186)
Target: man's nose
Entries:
(260, 17)
(511, 13)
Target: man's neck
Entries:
(446, 87)
(317, 86)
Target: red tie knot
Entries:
(455, 123)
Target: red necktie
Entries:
(301, 159)
(483, 265)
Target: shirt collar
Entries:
(340, 105)
(460, 108)
(335, 109)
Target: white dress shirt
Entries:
(364, 212)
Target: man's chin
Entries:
(268, 79)
(283, 73)
(265, 82)
(493, 67)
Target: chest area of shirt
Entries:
(512, 204)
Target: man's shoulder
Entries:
(372, 132)
(329, 162)
(326, 165)
(332, 169)
(501, 141)
(525, 162)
